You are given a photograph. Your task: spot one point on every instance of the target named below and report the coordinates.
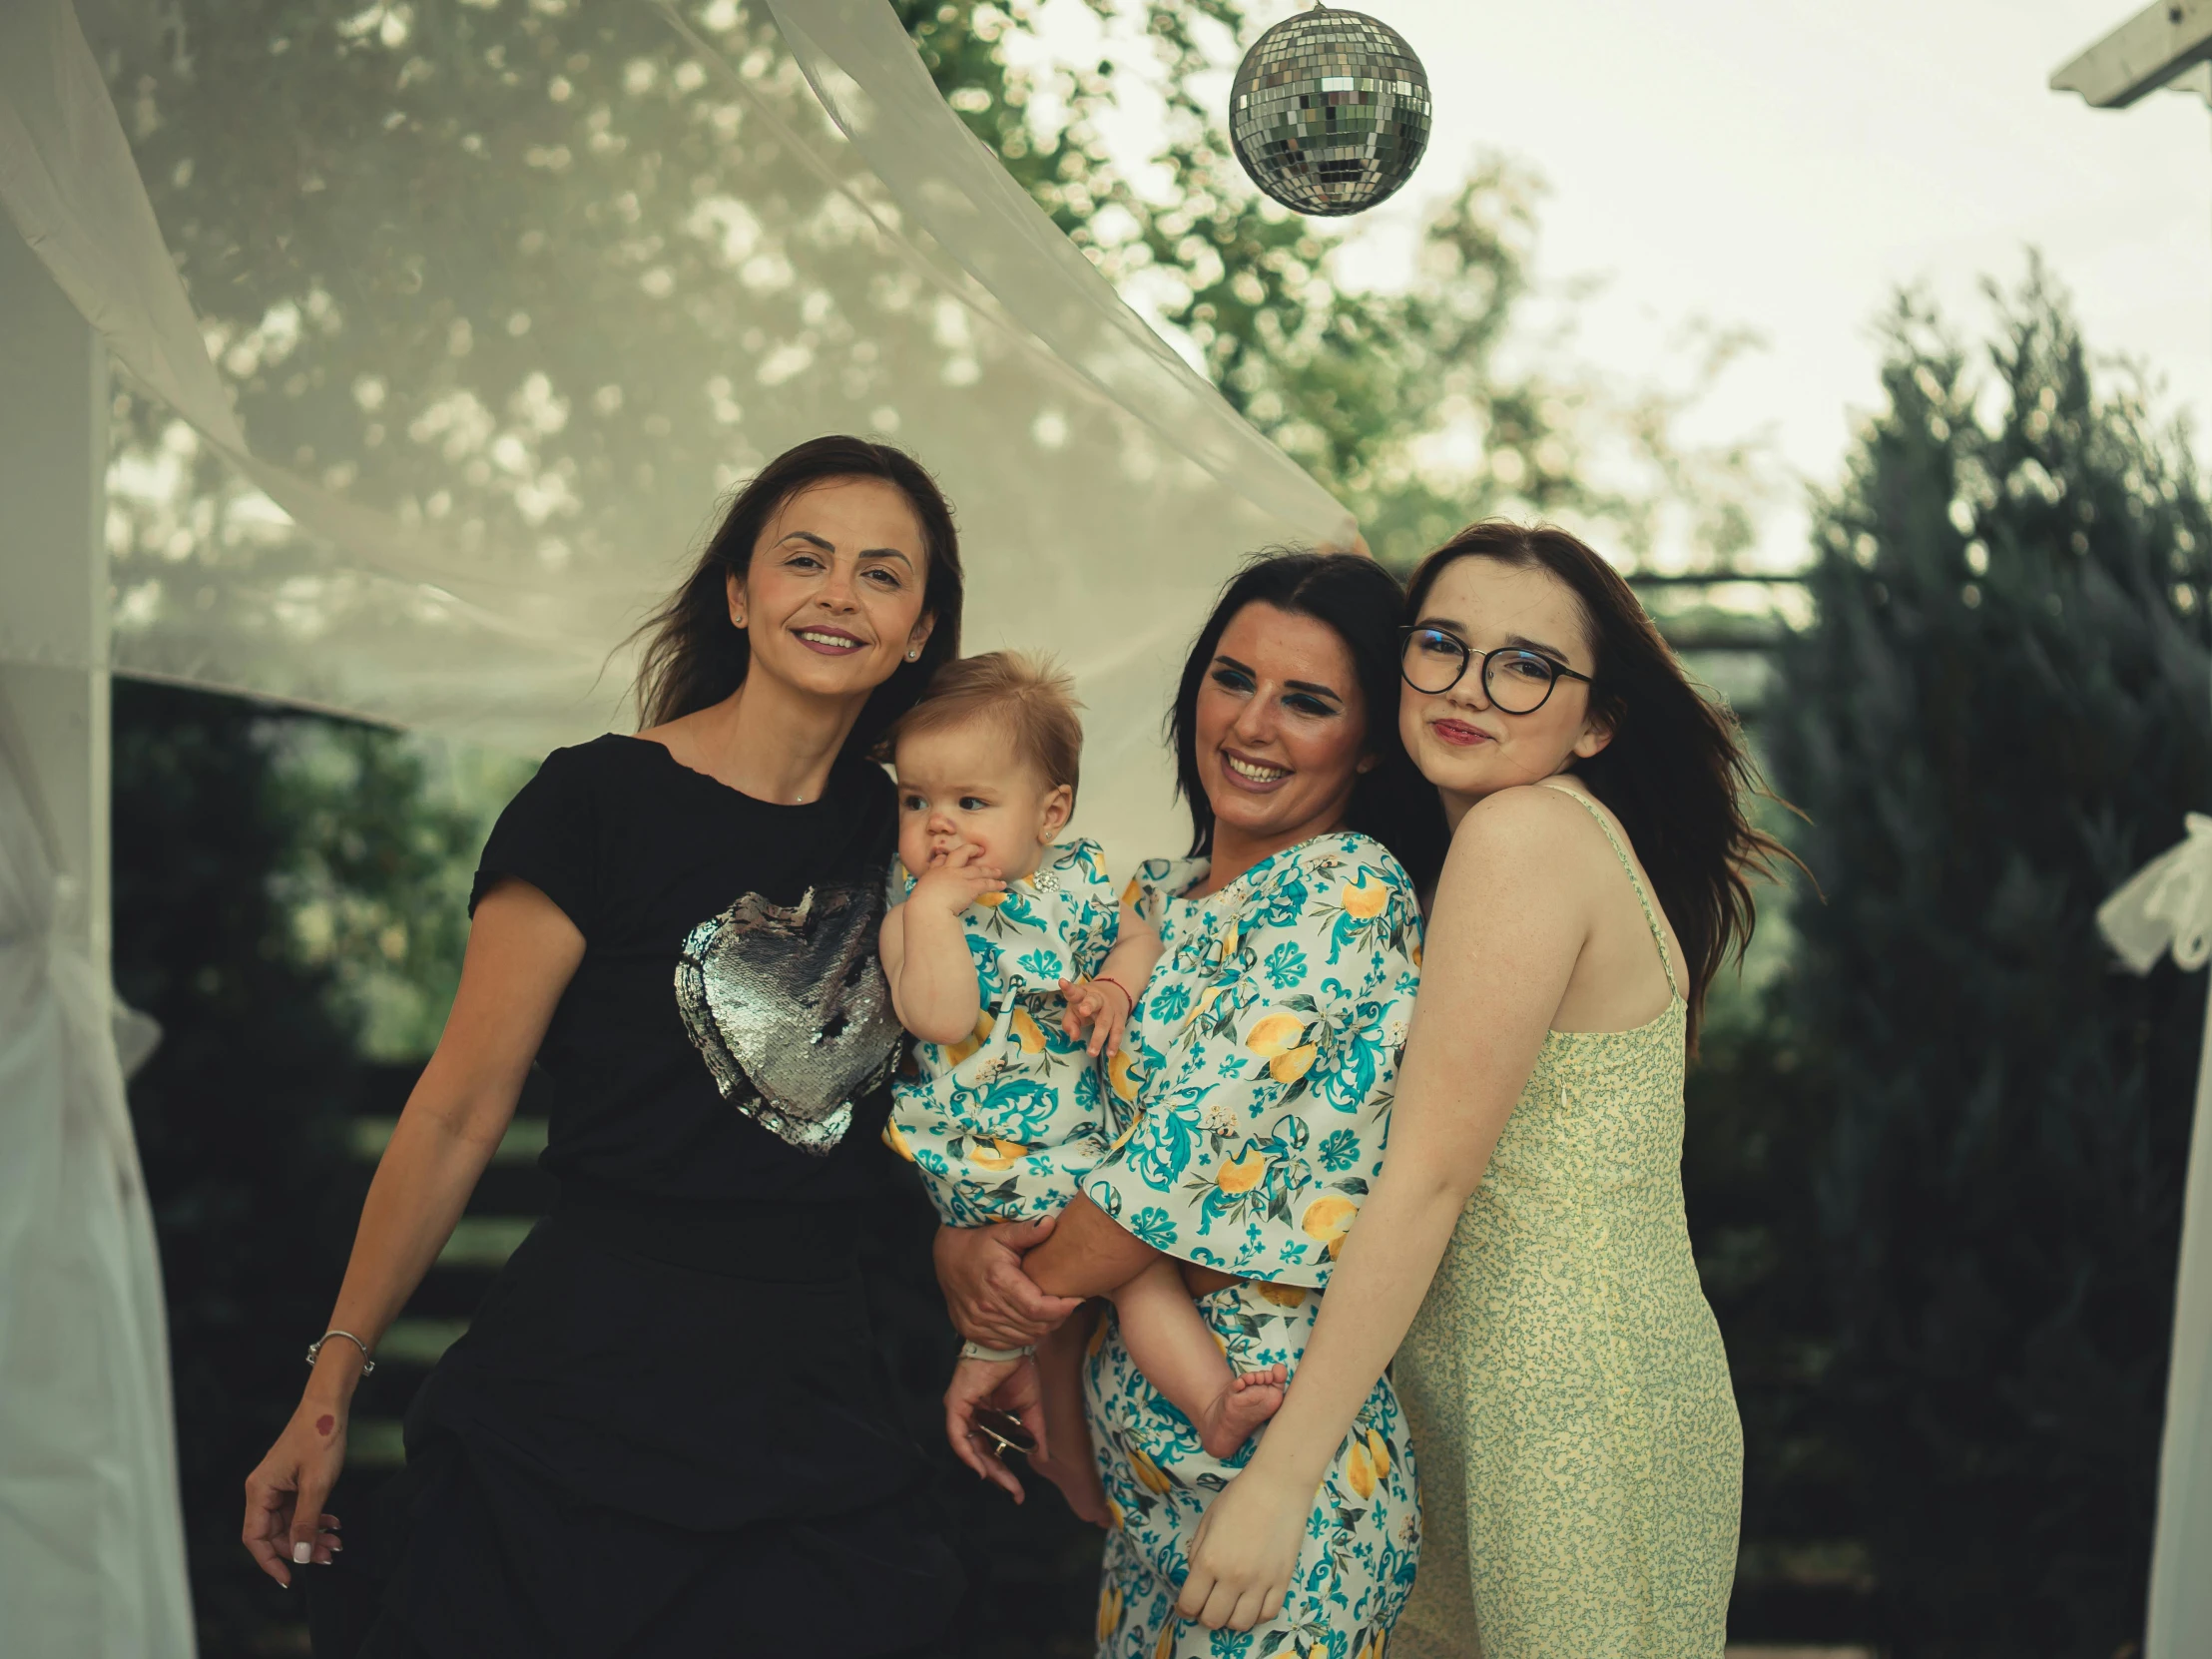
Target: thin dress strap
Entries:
(1651, 916)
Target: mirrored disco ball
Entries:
(1329, 112)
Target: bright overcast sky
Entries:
(1783, 165)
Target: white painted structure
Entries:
(2150, 50)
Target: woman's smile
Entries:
(1246, 772)
(830, 642)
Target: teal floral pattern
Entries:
(1259, 1069)
(1264, 1050)
(1363, 1540)
(1002, 1123)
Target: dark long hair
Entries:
(694, 656)
(1360, 601)
(1675, 773)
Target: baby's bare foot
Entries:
(1249, 1400)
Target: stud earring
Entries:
(736, 621)
(914, 656)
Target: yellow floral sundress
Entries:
(1566, 1383)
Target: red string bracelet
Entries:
(1109, 980)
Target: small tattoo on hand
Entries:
(325, 1423)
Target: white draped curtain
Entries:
(92, 1560)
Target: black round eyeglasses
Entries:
(1517, 680)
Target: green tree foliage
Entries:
(1999, 714)
(240, 1113)
(381, 849)
(1413, 407)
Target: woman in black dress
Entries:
(666, 1432)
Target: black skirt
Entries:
(643, 1448)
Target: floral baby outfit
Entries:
(1002, 1123)
(1260, 1062)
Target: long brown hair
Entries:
(694, 656)
(1675, 773)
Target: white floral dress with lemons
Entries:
(1260, 1062)
(1001, 1123)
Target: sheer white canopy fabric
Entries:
(2167, 905)
(862, 67)
(490, 502)
(92, 1551)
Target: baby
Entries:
(1008, 943)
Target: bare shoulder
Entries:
(1529, 818)
(1527, 845)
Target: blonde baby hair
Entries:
(1031, 693)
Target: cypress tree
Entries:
(2001, 712)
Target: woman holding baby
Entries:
(1255, 1095)
(1523, 1238)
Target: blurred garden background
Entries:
(1935, 1142)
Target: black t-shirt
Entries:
(729, 1034)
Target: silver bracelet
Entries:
(314, 1347)
(976, 1351)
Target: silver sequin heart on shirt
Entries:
(791, 1010)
